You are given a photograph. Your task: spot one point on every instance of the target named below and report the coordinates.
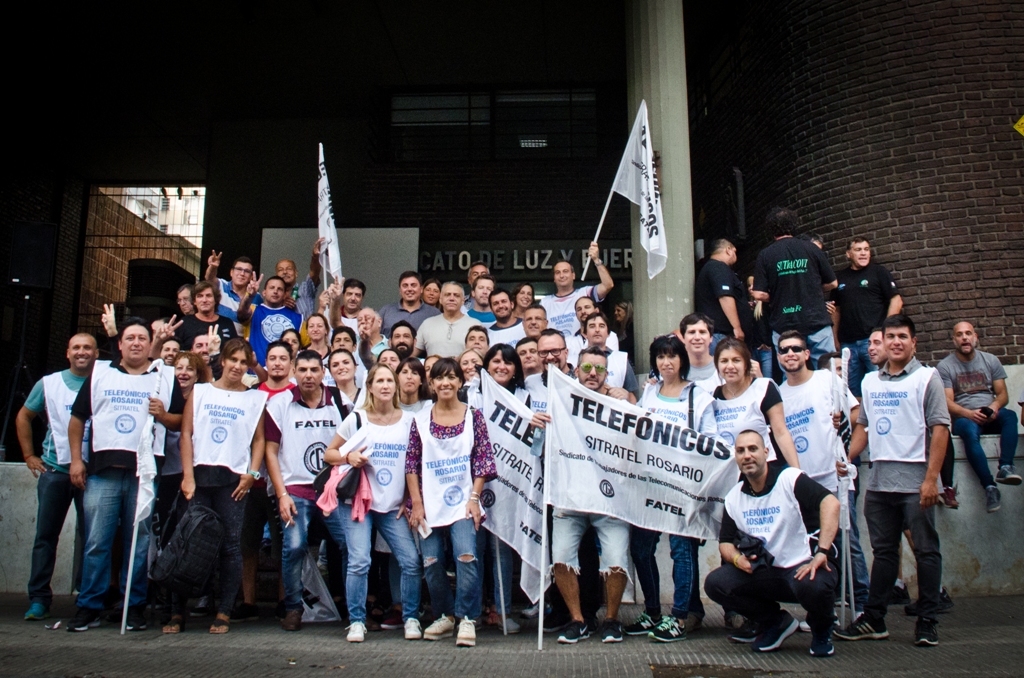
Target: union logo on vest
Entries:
(314, 458)
(384, 477)
(801, 444)
(487, 498)
(219, 434)
(883, 426)
(453, 495)
(607, 489)
(125, 423)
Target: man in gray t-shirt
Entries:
(975, 385)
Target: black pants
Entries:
(887, 514)
(757, 596)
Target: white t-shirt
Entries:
(437, 336)
(809, 420)
(562, 310)
(508, 335)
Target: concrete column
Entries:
(656, 72)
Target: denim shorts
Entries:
(567, 530)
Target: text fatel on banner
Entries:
(610, 457)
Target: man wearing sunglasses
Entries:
(568, 531)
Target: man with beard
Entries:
(975, 385)
(507, 329)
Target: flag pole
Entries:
(128, 579)
(600, 224)
(544, 537)
(501, 584)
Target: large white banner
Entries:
(514, 499)
(636, 181)
(607, 456)
(330, 258)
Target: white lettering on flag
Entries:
(613, 458)
(636, 181)
(514, 499)
(330, 258)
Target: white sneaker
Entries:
(467, 634)
(413, 630)
(511, 626)
(442, 628)
(356, 632)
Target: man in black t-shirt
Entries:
(791, 275)
(866, 296)
(722, 296)
(207, 302)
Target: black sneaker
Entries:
(574, 633)
(84, 620)
(244, 612)
(772, 638)
(821, 643)
(611, 631)
(556, 621)
(864, 628)
(136, 618)
(643, 625)
(747, 633)
(899, 596)
(668, 631)
(945, 604)
(925, 633)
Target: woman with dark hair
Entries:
(448, 461)
(221, 454)
(687, 404)
(522, 298)
(391, 358)
(413, 392)
(387, 433)
(744, 402)
(431, 294)
(292, 337)
(342, 365)
(623, 328)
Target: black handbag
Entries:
(349, 485)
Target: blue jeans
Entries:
(715, 338)
(859, 365)
(861, 580)
(467, 574)
(1005, 425)
(485, 545)
(819, 342)
(55, 493)
(295, 541)
(764, 357)
(358, 537)
(642, 546)
(109, 500)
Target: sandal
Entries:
(176, 624)
(220, 626)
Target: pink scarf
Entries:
(328, 500)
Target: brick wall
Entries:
(114, 236)
(891, 120)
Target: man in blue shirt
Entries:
(53, 395)
(235, 290)
(269, 320)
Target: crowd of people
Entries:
(260, 384)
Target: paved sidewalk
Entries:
(981, 637)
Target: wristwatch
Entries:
(822, 551)
(255, 474)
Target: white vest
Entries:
(895, 410)
(305, 436)
(59, 399)
(223, 423)
(774, 518)
(809, 409)
(744, 412)
(618, 365)
(120, 405)
(576, 343)
(538, 392)
(447, 472)
(678, 411)
(387, 446)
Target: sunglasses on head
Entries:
(783, 350)
(586, 367)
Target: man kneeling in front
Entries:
(771, 518)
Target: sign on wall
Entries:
(521, 261)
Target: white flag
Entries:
(145, 462)
(514, 499)
(635, 180)
(330, 259)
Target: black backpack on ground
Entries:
(188, 560)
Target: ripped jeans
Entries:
(468, 582)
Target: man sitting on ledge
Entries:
(765, 542)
